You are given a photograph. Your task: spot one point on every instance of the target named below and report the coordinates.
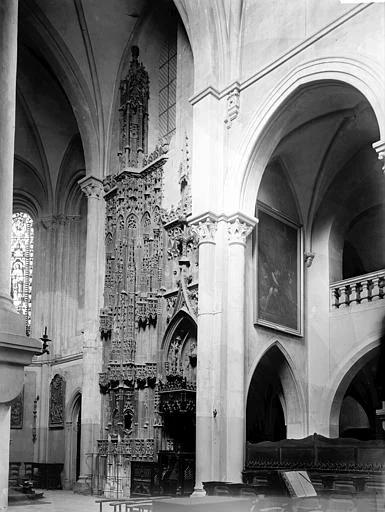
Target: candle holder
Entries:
(45, 341)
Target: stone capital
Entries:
(379, 146)
(239, 227)
(92, 187)
(204, 227)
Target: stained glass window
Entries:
(21, 265)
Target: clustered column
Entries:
(205, 229)
(92, 346)
(16, 350)
(238, 229)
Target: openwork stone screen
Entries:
(21, 265)
(167, 87)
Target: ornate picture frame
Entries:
(279, 272)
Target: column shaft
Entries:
(238, 230)
(8, 59)
(204, 409)
(16, 350)
(205, 230)
(5, 418)
(92, 346)
(235, 363)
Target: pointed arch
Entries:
(291, 395)
(68, 194)
(342, 379)
(72, 439)
(29, 191)
(37, 31)
(264, 133)
(181, 316)
(47, 183)
(146, 223)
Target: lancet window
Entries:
(167, 87)
(22, 264)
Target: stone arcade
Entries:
(198, 238)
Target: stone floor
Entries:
(66, 501)
(57, 501)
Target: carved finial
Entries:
(133, 113)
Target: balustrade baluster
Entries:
(370, 288)
(359, 289)
(344, 297)
(381, 285)
(375, 289)
(353, 293)
(336, 297)
(366, 290)
(348, 294)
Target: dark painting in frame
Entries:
(279, 272)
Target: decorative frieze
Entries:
(57, 402)
(146, 375)
(146, 311)
(133, 449)
(177, 402)
(155, 158)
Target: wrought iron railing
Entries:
(357, 290)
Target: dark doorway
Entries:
(78, 439)
(358, 409)
(265, 418)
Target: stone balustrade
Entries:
(357, 290)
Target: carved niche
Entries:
(56, 402)
(133, 113)
(17, 411)
(177, 389)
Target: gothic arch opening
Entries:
(358, 396)
(273, 406)
(177, 402)
(72, 442)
